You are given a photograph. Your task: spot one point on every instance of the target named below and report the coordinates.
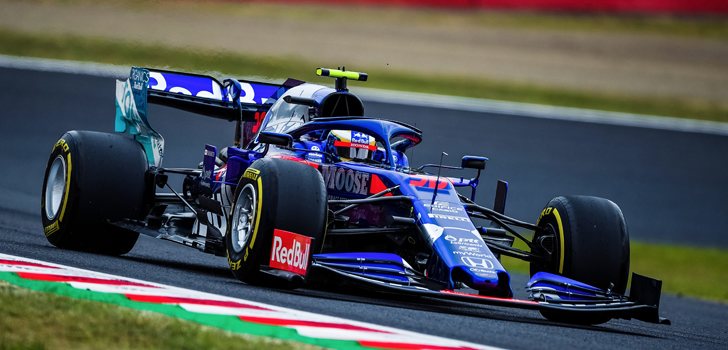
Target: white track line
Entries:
(515, 109)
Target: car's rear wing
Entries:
(232, 100)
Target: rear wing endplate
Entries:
(232, 100)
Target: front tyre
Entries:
(91, 179)
(586, 239)
(273, 194)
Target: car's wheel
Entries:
(587, 240)
(274, 195)
(93, 178)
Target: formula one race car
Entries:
(313, 193)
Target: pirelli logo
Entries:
(234, 265)
(63, 144)
(51, 229)
(252, 174)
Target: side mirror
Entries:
(274, 138)
(473, 162)
(300, 101)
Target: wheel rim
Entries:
(55, 187)
(547, 241)
(242, 223)
(545, 245)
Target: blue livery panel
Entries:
(208, 87)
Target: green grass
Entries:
(114, 52)
(36, 320)
(687, 271)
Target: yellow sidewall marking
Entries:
(561, 240)
(68, 186)
(258, 213)
(51, 229)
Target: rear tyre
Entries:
(91, 179)
(587, 240)
(273, 194)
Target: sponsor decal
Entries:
(462, 241)
(354, 145)
(52, 228)
(251, 173)
(355, 140)
(131, 114)
(185, 85)
(346, 180)
(448, 217)
(139, 77)
(315, 157)
(483, 272)
(477, 262)
(545, 212)
(359, 140)
(472, 254)
(290, 252)
(207, 87)
(464, 248)
(444, 207)
(127, 108)
(234, 265)
(63, 144)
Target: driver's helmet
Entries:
(349, 145)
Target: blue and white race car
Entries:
(314, 193)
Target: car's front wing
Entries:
(642, 304)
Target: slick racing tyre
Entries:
(587, 240)
(275, 198)
(91, 179)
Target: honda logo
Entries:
(477, 262)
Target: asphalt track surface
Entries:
(672, 187)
